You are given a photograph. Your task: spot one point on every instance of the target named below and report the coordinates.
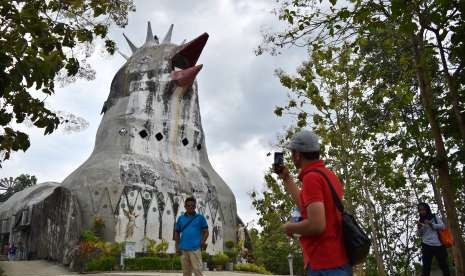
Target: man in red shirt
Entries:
(321, 225)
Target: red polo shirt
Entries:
(327, 249)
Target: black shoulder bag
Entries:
(356, 241)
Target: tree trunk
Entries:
(432, 179)
(442, 164)
(453, 93)
(376, 246)
(437, 196)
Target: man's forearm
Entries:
(305, 228)
(204, 237)
(292, 188)
(176, 240)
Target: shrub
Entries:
(153, 263)
(232, 254)
(229, 244)
(102, 263)
(206, 257)
(89, 235)
(115, 249)
(96, 254)
(220, 259)
(154, 249)
(251, 268)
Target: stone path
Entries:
(32, 268)
(43, 268)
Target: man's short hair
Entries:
(191, 199)
(315, 155)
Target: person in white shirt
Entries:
(428, 226)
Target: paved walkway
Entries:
(43, 268)
(31, 268)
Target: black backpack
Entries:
(356, 241)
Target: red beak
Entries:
(190, 52)
(186, 77)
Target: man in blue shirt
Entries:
(191, 235)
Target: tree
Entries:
(330, 94)
(367, 142)
(418, 30)
(40, 40)
(9, 185)
(271, 246)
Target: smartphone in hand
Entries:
(278, 162)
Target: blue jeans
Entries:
(345, 270)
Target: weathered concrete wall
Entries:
(55, 226)
(43, 221)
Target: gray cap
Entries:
(304, 141)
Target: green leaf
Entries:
(344, 13)
(5, 117)
(84, 35)
(278, 111)
(72, 66)
(22, 141)
(110, 46)
(101, 30)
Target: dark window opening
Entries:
(185, 141)
(143, 133)
(159, 136)
(199, 146)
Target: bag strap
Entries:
(336, 199)
(189, 222)
(435, 221)
(437, 231)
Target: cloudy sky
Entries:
(237, 90)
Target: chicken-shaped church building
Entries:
(149, 156)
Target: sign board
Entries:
(129, 249)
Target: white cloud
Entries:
(243, 168)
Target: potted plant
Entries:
(229, 245)
(219, 260)
(231, 252)
(206, 258)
